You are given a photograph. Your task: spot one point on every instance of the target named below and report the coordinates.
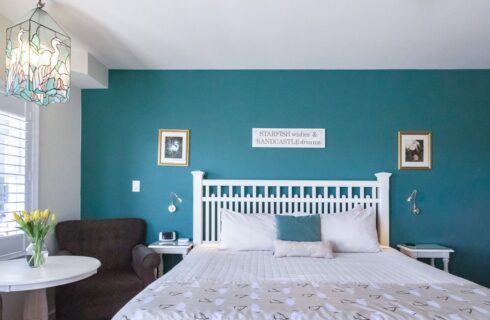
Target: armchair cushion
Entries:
(144, 263)
(110, 241)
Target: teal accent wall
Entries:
(362, 111)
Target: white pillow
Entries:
(314, 249)
(247, 231)
(353, 231)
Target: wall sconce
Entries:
(173, 198)
(412, 198)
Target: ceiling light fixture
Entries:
(38, 59)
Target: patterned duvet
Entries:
(205, 294)
(308, 301)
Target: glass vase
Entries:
(36, 253)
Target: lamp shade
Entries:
(38, 60)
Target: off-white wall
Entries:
(59, 164)
(59, 160)
(4, 24)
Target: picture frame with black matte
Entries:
(173, 147)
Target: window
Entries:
(17, 182)
(13, 136)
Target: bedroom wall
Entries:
(4, 24)
(60, 161)
(362, 112)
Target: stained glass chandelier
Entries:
(38, 59)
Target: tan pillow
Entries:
(314, 249)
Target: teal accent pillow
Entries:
(303, 228)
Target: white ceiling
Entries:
(275, 34)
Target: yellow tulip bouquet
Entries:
(36, 226)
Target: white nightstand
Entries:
(432, 251)
(165, 247)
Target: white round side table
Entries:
(16, 275)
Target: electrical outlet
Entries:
(136, 186)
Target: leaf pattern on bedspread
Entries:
(294, 301)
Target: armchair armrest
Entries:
(144, 263)
(63, 253)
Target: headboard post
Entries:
(197, 206)
(384, 207)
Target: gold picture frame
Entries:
(414, 150)
(173, 147)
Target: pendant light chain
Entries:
(40, 4)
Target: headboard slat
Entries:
(285, 196)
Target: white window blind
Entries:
(13, 180)
(16, 164)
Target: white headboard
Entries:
(286, 196)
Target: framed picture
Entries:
(173, 147)
(414, 150)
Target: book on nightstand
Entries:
(183, 241)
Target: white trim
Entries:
(34, 113)
(285, 196)
(13, 255)
(31, 112)
(13, 246)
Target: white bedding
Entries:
(219, 284)
(208, 263)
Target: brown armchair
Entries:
(127, 266)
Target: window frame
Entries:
(13, 246)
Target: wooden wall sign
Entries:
(288, 138)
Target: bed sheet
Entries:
(217, 284)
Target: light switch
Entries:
(136, 186)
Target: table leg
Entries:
(432, 262)
(36, 305)
(446, 264)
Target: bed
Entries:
(223, 284)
